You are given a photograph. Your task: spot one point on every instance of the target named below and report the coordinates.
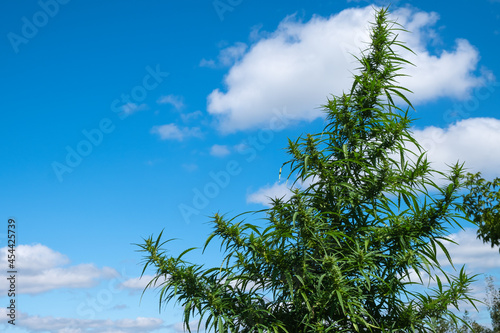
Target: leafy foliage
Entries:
(339, 254)
(482, 205)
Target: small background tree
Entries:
(493, 303)
(482, 204)
(338, 255)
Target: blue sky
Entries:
(123, 118)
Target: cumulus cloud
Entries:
(300, 64)
(449, 74)
(79, 276)
(176, 101)
(37, 257)
(472, 252)
(174, 132)
(473, 141)
(265, 194)
(44, 269)
(219, 150)
(72, 325)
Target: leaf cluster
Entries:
(482, 205)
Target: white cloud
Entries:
(137, 283)
(479, 257)
(35, 258)
(79, 276)
(173, 132)
(219, 150)
(179, 326)
(140, 282)
(131, 108)
(72, 325)
(300, 64)
(473, 141)
(265, 194)
(44, 269)
(176, 101)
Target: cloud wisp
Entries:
(219, 150)
(176, 101)
(174, 132)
